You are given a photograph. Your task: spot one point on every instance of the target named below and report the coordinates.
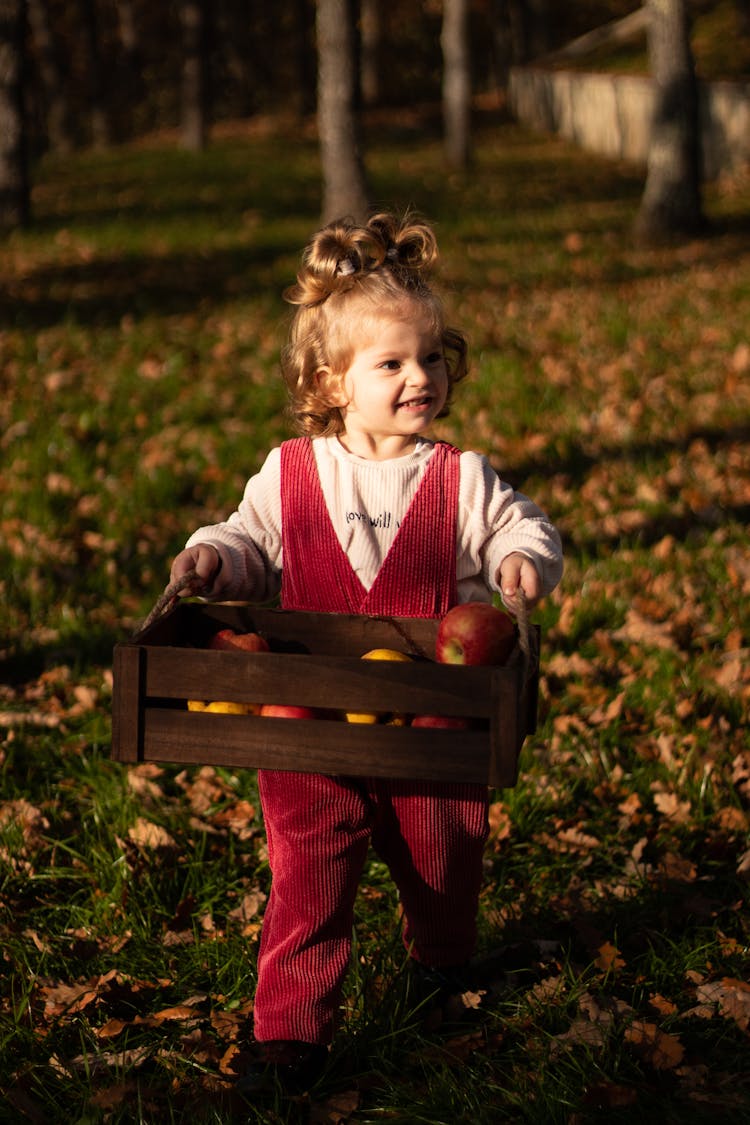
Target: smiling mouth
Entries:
(413, 403)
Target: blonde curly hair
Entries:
(350, 277)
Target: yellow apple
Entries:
(371, 716)
(223, 707)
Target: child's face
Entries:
(395, 385)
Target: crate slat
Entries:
(324, 681)
(127, 703)
(300, 744)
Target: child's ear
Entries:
(331, 387)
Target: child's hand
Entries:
(204, 559)
(517, 571)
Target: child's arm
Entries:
(239, 558)
(504, 539)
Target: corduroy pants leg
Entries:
(318, 831)
(432, 837)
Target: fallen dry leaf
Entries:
(641, 630)
(661, 1005)
(248, 909)
(609, 959)
(111, 1029)
(500, 821)
(661, 1050)
(730, 997)
(67, 998)
(743, 863)
(86, 1065)
(142, 779)
(677, 868)
(33, 936)
(336, 1110)
(582, 1033)
(110, 1097)
(146, 834)
(671, 807)
(181, 1012)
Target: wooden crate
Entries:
(316, 661)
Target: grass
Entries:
(141, 321)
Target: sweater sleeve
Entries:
(493, 521)
(249, 541)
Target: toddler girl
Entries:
(365, 514)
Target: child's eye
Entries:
(390, 364)
(435, 357)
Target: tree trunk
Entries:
(131, 93)
(529, 29)
(344, 188)
(194, 103)
(101, 128)
(370, 34)
(60, 131)
(14, 184)
(454, 40)
(295, 65)
(671, 202)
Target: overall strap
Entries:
(316, 575)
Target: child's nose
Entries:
(418, 373)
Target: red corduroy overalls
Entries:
(431, 834)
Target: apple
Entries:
(449, 722)
(288, 711)
(222, 707)
(394, 720)
(248, 642)
(475, 633)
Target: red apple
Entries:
(449, 722)
(248, 642)
(475, 633)
(287, 711)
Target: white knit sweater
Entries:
(367, 501)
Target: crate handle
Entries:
(528, 639)
(191, 580)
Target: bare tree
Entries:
(101, 127)
(14, 185)
(60, 131)
(194, 20)
(529, 28)
(671, 202)
(370, 20)
(130, 86)
(743, 16)
(344, 186)
(454, 40)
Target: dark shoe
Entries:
(443, 995)
(285, 1064)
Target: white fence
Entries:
(611, 114)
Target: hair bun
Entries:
(409, 243)
(342, 252)
(335, 256)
